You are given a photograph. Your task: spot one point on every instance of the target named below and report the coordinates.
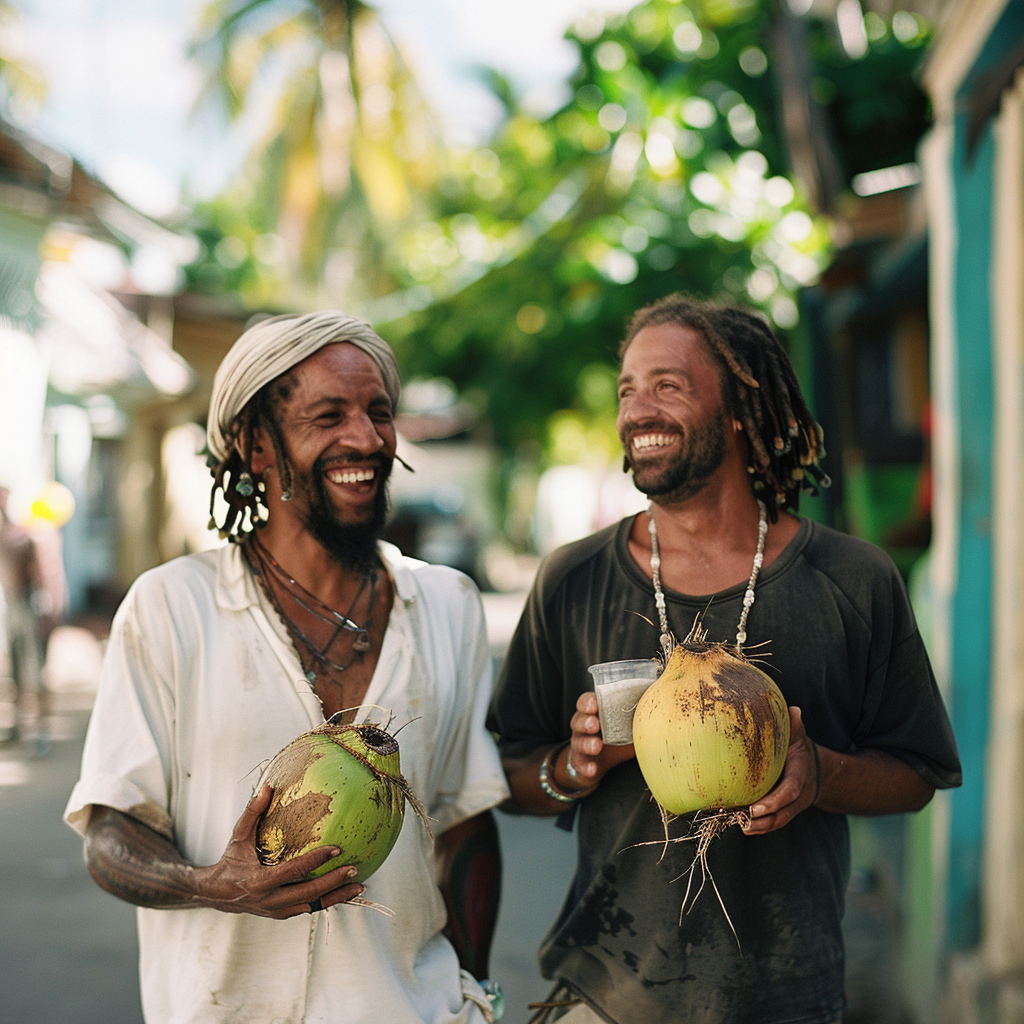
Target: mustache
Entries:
(649, 427)
(322, 463)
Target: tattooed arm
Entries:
(137, 864)
(469, 859)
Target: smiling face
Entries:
(672, 419)
(337, 428)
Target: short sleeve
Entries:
(903, 712)
(125, 762)
(527, 709)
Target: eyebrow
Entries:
(658, 371)
(329, 401)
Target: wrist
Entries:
(551, 786)
(566, 775)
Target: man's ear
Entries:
(262, 454)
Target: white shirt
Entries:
(200, 688)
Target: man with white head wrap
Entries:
(218, 660)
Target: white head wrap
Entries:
(274, 346)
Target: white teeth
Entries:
(350, 476)
(642, 441)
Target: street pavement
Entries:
(68, 950)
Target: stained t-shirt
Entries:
(833, 626)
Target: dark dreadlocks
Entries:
(760, 390)
(233, 476)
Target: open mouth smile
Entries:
(351, 476)
(651, 442)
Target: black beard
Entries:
(702, 452)
(353, 546)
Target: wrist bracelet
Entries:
(547, 778)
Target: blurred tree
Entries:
(348, 149)
(676, 163)
(22, 87)
(665, 170)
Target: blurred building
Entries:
(973, 162)
(915, 357)
(76, 367)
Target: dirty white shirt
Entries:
(200, 687)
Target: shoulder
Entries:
(864, 574)
(578, 556)
(181, 580)
(429, 585)
(836, 553)
(187, 569)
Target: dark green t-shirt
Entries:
(832, 625)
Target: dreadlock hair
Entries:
(760, 390)
(233, 476)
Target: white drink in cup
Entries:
(619, 685)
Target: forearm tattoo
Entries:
(471, 891)
(135, 863)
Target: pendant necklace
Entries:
(748, 597)
(312, 604)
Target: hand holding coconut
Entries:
(156, 874)
(798, 786)
(239, 883)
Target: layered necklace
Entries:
(748, 597)
(317, 657)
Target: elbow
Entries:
(922, 798)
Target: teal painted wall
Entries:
(972, 601)
(971, 622)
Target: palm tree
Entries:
(350, 145)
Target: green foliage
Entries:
(512, 268)
(663, 172)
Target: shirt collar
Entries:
(236, 585)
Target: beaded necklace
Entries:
(748, 597)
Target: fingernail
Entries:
(352, 872)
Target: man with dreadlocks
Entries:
(718, 436)
(218, 660)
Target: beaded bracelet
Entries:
(547, 778)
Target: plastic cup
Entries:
(619, 685)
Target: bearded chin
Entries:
(687, 474)
(353, 546)
(677, 483)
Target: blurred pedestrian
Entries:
(24, 595)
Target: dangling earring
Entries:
(245, 486)
(286, 495)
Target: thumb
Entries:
(245, 827)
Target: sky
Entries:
(122, 93)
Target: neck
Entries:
(310, 564)
(748, 598)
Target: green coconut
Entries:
(337, 785)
